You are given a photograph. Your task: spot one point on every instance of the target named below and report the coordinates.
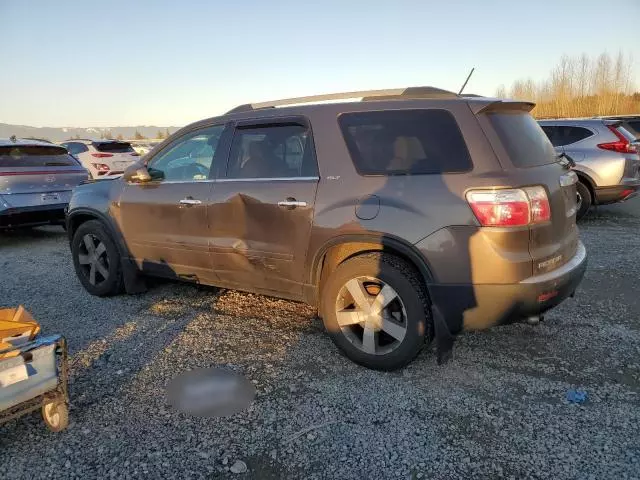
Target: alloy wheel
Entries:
(93, 259)
(371, 315)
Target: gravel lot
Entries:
(497, 410)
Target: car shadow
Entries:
(30, 234)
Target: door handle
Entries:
(291, 203)
(190, 201)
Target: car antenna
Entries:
(466, 81)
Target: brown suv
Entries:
(407, 214)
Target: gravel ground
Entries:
(498, 409)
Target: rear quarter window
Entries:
(405, 142)
(523, 139)
(35, 156)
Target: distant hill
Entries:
(56, 134)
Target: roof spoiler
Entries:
(490, 105)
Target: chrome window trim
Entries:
(269, 179)
(227, 180)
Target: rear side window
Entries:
(35, 156)
(405, 142)
(113, 147)
(272, 151)
(523, 139)
(561, 135)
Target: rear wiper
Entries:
(570, 162)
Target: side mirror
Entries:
(136, 173)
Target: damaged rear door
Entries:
(261, 210)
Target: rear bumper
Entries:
(616, 193)
(28, 216)
(473, 307)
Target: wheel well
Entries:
(78, 220)
(587, 182)
(338, 254)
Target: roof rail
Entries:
(366, 95)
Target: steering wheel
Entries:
(195, 169)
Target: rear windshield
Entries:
(635, 126)
(113, 147)
(523, 139)
(405, 142)
(626, 133)
(35, 156)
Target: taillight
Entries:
(510, 207)
(102, 155)
(621, 146)
(101, 167)
(540, 208)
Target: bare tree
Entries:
(582, 86)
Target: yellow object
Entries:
(16, 324)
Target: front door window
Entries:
(189, 159)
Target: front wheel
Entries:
(583, 199)
(96, 259)
(376, 311)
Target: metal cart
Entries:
(34, 375)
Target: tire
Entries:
(56, 415)
(584, 200)
(386, 346)
(107, 272)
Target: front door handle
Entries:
(291, 203)
(190, 201)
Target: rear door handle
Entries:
(190, 201)
(291, 203)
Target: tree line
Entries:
(581, 86)
(108, 135)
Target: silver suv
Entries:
(605, 155)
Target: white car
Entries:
(103, 158)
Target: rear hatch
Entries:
(37, 176)
(629, 145)
(118, 155)
(530, 160)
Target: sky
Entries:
(93, 63)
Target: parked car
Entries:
(36, 179)
(410, 212)
(103, 158)
(606, 157)
(142, 148)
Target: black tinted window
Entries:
(75, 148)
(398, 142)
(634, 127)
(113, 147)
(523, 139)
(562, 135)
(272, 151)
(35, 156)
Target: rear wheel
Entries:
(584, 200)
(96, 259)
(376, 311)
